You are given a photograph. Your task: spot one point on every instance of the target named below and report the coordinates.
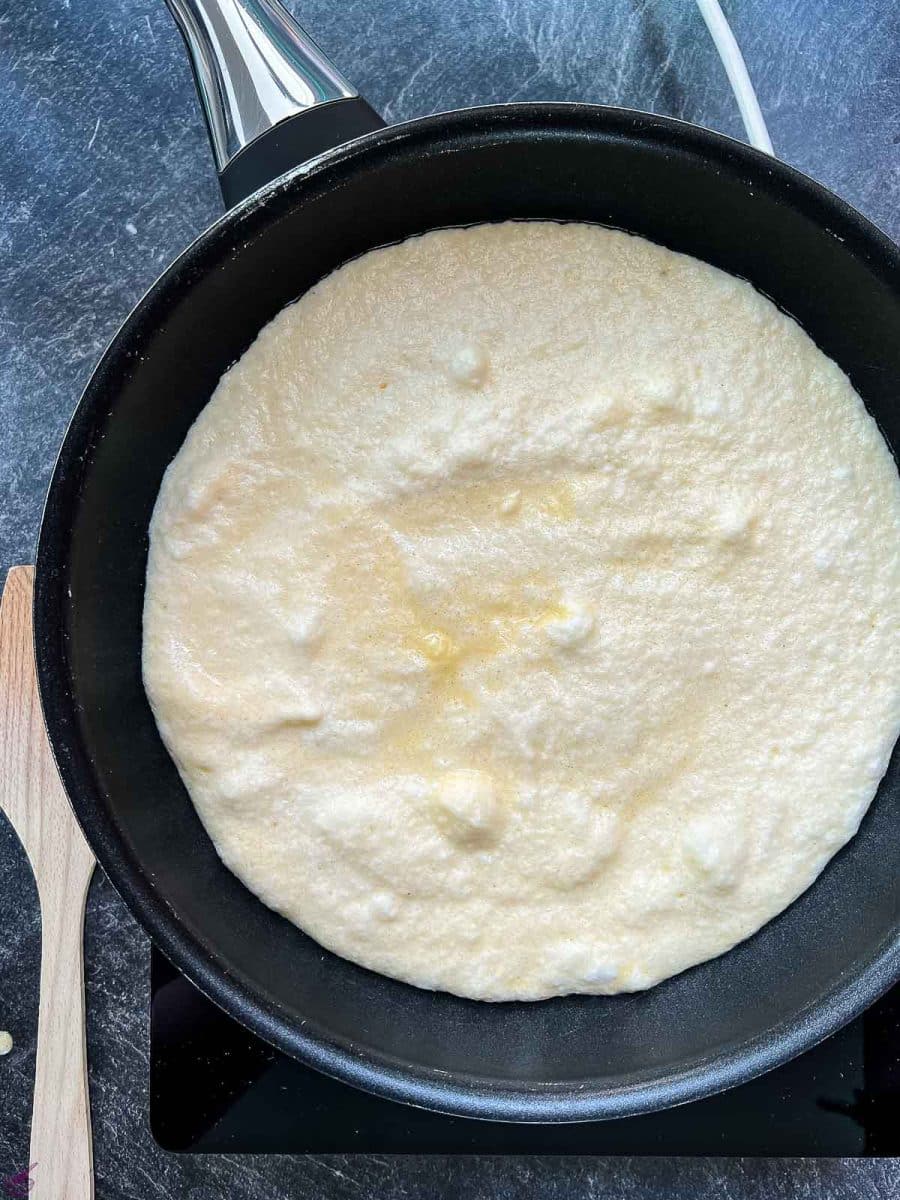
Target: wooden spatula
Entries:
(61, 1161)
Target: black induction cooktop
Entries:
(216, 1087)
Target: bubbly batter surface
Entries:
(521, 611)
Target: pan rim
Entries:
(460, 1095)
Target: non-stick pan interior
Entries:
(563, 1059)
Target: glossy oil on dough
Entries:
(522, 611)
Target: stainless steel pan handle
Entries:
(270, 96)
(272, 99)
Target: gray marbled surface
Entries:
(104, 177)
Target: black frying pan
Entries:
(810, 970)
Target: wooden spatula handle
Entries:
(61, 1156)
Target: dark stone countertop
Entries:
(105, 176)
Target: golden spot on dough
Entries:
(459, 503)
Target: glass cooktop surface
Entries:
(216, 1087)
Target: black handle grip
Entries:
(295, 141)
